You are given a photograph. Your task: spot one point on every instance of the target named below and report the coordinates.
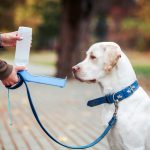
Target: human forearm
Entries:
(1, 41)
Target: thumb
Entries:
(18, 38)
(19, 68)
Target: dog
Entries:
(107, 65)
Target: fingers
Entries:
(18, 38)
(15, 32)
(14, 36)
(10, 39)
(19, 68)
(10, 82)
(13, 78)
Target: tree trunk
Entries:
(74, 34)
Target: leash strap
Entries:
(9, 108)
(108, 128)
(42, 79)
(121, 95)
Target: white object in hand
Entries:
(23, 46)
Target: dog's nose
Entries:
(75, 68)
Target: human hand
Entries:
(10, 39)
(13, 78)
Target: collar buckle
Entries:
(132, 88)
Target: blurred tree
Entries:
(74, 33)
(25, 13)
(47, 30)
(115, 11)
(7, 12)
(137, 26)
(101, 28)
(143, 24)
(75, 27)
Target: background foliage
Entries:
(69, 27)
(44, 17)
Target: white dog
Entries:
(107, 65)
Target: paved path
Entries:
(63, 112)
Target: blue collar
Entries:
(121, 95)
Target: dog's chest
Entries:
(132, 127)
(125, 136)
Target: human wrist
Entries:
(5, 70)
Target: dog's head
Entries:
(101, 58)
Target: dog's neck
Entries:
(121, 76)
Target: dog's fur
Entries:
(107, 65)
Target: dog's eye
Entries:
(92, 57)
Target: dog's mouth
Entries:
(81, 80)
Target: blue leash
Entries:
(26, 77)
(9, 108)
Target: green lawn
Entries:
(46, 58)
(141, 65)
(139, 60)
(143, 70)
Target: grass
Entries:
(45, 58)
(141, 64)
(143, 70)
(139, 60)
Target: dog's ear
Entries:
(112, 54)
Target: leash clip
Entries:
(116, 103)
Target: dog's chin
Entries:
(91, 81)
(82, 80)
